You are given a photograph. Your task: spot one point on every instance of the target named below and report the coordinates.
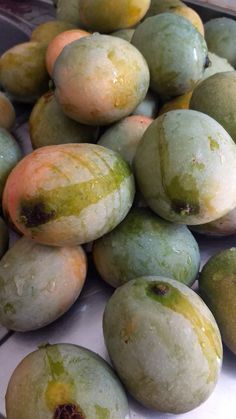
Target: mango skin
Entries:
(69, 194)
(179, 102)
(144, 244)
(168, 321)
(175, 51)
(49, 126)
(47, 31)
(7, 113)
(100, 79)
(65, 375)
(10, 153)
(125, 34)
(149, 106)
(107, 16)
(224, 226)
(191, 161)
(23, 71)
(39, 283)
(125, 135)
(157, 7)
(68, 10)
(217, 65)
(4, 237)
(220, 36)
(216, 97)
(217, 288)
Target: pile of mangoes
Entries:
(133, 129)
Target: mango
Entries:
(190, 159)
(175, 51)
(144, 244)
(100, 79)
(164, 343)
(217, 288)
(65, 381)
(220, 36)
(7, 113)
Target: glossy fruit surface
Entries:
(39, 283)
(191, 161)
(65, 381)
(144, 244)
(49, 126)
(108, 16)
(100, 79)
(216, 97)
(10, 154)
(217, 288)
(69, 194)
(23, 71)
(175, 51)
(125, 135)
(220, 37)
(164, 343)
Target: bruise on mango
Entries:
(70, 200)
(34, 214)
(68, 411)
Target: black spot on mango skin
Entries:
(159, 289)
(208, 63)
(36, 214)
(68, 411)
(184, 208)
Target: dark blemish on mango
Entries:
(184, 208)
(68, 411)
(159, 289)
(64, 201)
(35, 214)
(208, 62)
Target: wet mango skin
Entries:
(191, 159)
(65, 380)
(164, 343)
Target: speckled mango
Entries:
(125, 135)
(220, 36)
(69, 194)
(217, 288)
(224, 226)
(191, 161)
(10, 154)
(144, 244)
(7, 112)
(164, 343)
(175, 51)
(4, 237)
(100, 79)
(39, 283)
(48, 125)
(65, 381)
(47, 31)
(216, 97)
(107, 16)
(68, 10)
(23, 71)
(217, 65)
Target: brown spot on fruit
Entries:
(159, 289)
(68, 411)
(36, 214)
